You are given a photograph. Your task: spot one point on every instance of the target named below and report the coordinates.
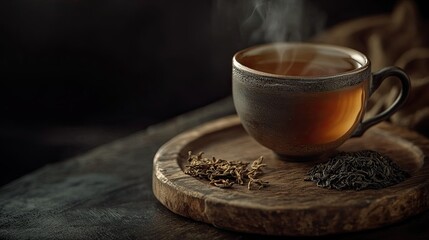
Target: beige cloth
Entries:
(398, 39)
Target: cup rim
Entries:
(356, 55)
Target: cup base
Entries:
(290, 158)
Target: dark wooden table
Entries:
(107, 194)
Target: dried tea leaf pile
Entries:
(357, 171)
(222, 173)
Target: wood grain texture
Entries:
(290, 205)
(107, 194)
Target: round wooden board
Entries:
(290, 205)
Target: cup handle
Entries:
(377, 79)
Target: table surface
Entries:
(107, 194)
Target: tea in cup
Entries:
(303, 100)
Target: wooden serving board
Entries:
(290, 205)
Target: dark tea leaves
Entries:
(357, 171)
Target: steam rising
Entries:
(274, 21)
(262, 21)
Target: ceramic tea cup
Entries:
(303, 100)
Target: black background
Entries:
(78, 73)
